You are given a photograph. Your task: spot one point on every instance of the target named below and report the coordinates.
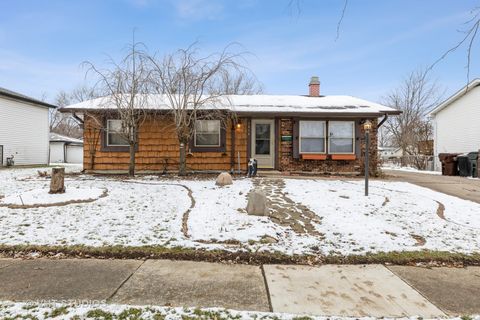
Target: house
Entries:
(24, 129)
(386, 153)
(65, 149)
(456, 122)
(313, 133)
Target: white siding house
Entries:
(24, 129)
(457, 122)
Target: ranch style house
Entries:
(292, 134)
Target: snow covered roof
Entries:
(460, 93)
(261, 104)
(55, 137)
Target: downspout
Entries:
(383, 121)
(80, 120)
(232, 153)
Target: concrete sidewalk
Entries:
(346, 290)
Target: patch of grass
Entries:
(240, 257)
(99, 314)
(130, 314)
(57, 312)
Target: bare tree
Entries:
(469, 38)
(190, 84)
(125, 87)
(415, 97)
(63, 123)
(239, 83)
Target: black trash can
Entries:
(473, 158)
(464, 167)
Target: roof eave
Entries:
(454, 97)
(25, 99)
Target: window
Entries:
(312, 136)
(342, 137)
(114, 133)
(207, 133)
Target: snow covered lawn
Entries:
(197, 214)
(20, 310)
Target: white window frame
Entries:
(324, 137)
(108, 135)
(353, 138)
(208, 145)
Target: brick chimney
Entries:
(314, 87)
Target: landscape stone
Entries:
(257, 203)
(224, 179)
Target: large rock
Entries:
(257, 203)
(224, 179)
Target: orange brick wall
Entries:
(158, 148)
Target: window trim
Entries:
(208, 145)
(107, 142)
(353, 137)
(324, 137)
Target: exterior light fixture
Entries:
(367, 127)
(238, 125)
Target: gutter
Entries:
(29, 100)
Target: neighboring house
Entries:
(386, 153)
(24, 129)
(288, 133)
(65, 149)
(457, 122)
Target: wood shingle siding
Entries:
(158, 149)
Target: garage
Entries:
(64, 149)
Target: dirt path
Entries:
(468, 189)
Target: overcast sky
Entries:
(42, 43)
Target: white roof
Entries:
(460, 93)
(259, 104)
(55, 137)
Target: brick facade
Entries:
(288, 163)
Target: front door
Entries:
(263, 143)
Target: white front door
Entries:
(263, 142)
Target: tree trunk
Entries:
(182, 171)
(92, 159)
(57, 182)
(131, 165)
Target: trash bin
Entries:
(473, 158)
(449, 163)
(464, 167)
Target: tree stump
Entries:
(57, 183)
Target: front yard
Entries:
(307, 216)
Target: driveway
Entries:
(465, 188)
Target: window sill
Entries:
(314, 156)
(344, 157)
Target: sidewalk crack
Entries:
(124, 281)
(266, 288)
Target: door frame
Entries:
(273, 140)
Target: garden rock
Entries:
(224, 179)
(257, 203)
